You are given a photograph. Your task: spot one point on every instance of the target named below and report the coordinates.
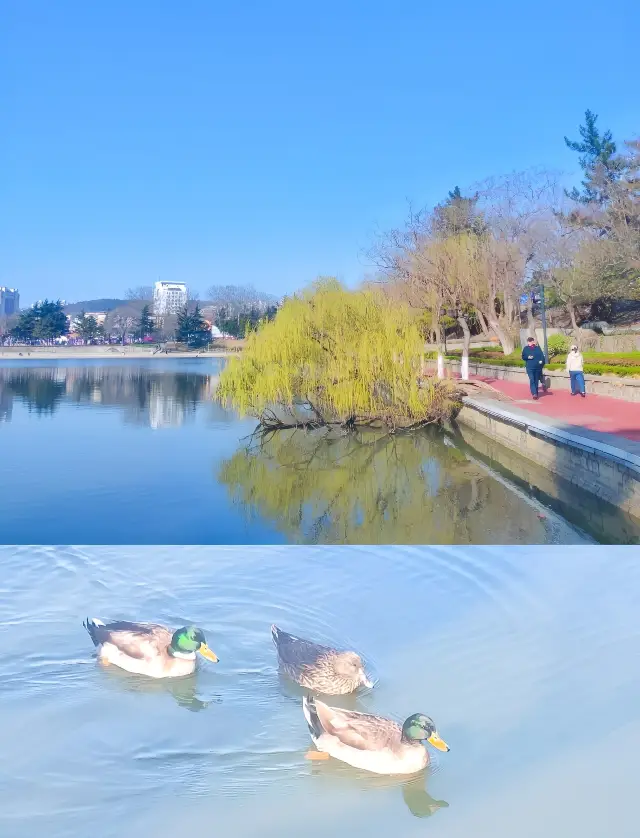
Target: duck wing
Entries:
(136, 640)
(295, 651)
(356, 730)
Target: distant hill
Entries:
(104, 304)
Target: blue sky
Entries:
(264, 142)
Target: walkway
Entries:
(596, 413)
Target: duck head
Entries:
(420, 728)
(189, 640)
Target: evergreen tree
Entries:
(601, 165)
(87, 327)
(192, 328)
(458, 214)
(23, 329)
(43, 321)
(145, 326)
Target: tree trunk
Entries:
(574, 323)
(531, 323)
(506, 340)
(466, 342)
(483, 325)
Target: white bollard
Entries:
(464, 368)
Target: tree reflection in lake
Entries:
(41, 393)
(369, 488)
(156, 398)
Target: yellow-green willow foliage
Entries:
(350, 356)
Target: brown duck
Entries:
(319, 668)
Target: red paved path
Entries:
(599, 413)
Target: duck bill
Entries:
(206, 652)
(437, 742)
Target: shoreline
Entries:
(54, 353)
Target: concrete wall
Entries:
(609, 523)
(614, 482)
(627, 389)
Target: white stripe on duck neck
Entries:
(185, 656)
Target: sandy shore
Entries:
(71, 353)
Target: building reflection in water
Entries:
(153, 398)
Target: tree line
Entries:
(470, 261)
(46, 322)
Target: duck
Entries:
(318, 668)
(372, 743)
(147, 648)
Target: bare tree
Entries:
(520, 210)
(123, 325)
(140, 292)
(239, 298)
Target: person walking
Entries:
(575, 367)
(533, 358)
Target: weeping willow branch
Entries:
(334, 358)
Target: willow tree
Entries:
(336, 357)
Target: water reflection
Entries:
(309, 488)
(152, 397)
(414, 792)
(371, 488)
(182, 690)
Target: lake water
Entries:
(138, 452)
(527, 659)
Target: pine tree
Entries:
(87, 326)
(599, 161)
(145, 326)
(458, 214)
(191, 328)
(43, 321)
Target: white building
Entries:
(9, 301)
(169, 297)
(216, 334)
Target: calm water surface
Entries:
(138, 452)
(527, 658)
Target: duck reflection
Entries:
(414, 793)
(419, 801)
(182, 690)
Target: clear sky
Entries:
(264, 142)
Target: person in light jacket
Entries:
(533, 358)
(575, 367)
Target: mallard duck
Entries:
(147, 648)
(319, 668)
(371, 742)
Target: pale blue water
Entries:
(526, 657)
(139, 452)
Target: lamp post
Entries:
(543, 317)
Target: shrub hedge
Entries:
(596, 363)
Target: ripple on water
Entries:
(494, 644)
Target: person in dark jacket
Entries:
(533, 358)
